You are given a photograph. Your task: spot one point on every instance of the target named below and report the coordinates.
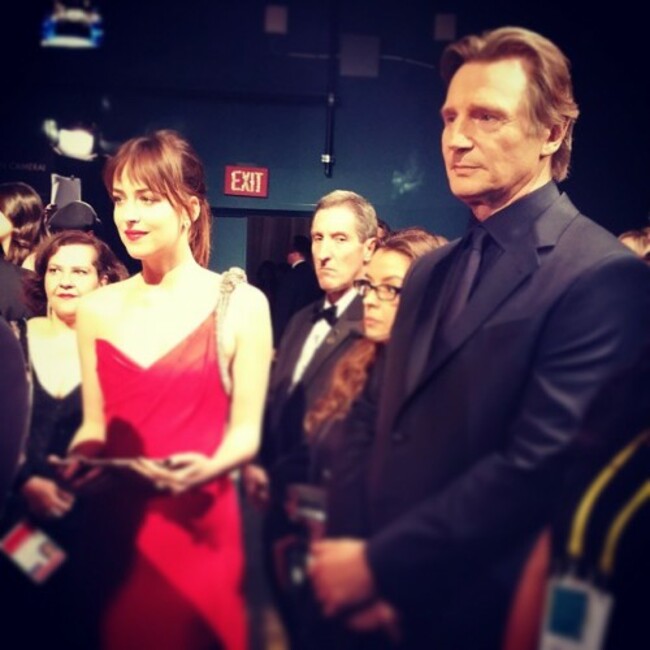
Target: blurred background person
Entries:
(76, 215)
(13, 407)
(383, 229)
(296, 288)
(173, 388)
(13, 305)
(67, 266)
(638, 240)
(267, 279)
(22, 224)
(596, 550)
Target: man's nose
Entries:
(323, 252)
(458, 134)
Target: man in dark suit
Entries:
(500, 344)
(12, 300)
(343, 232)
(14, 407)
(298, 287)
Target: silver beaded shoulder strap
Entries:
(229, 281)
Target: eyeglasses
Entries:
(386, 292)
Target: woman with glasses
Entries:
(337, 456)
(339, 442)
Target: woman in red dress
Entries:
(173, 387)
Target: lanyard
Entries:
(576, 542)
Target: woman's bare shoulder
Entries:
(107, 299)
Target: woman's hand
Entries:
(177, 473)
(73, 470)
(45, 498)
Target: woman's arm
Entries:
(253, 348)
(93, 426)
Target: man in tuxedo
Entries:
(343, 232)
(298, 287)
(501, 342)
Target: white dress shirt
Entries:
(318, 333)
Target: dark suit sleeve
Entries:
(598, 327)
(13, 406)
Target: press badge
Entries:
(577, 615)
(36, 554)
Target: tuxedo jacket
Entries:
(284, 451)
(471, 441)
(298, 288)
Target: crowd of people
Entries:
(447, 441)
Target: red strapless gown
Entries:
(178, 583)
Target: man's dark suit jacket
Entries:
(12, 301)
(14, 407)
(284, 451)
(298, 288)
(469, 450)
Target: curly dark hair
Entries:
(106, 262)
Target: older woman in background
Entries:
(67, 266)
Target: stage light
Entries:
(73, 25)
(78, 142)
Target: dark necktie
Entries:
(328, 313)
(467, 273)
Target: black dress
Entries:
(339, 454)
(43, 613)
(339, 458)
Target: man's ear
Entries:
(369, 248)
(554, 138)
(103, 281)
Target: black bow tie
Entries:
(328, 313)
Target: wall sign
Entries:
(247, 181)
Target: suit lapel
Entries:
(415, 321)
(349, 324)
(427, 314)
(289, 353)
(510, 270)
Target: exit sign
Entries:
(247, 181)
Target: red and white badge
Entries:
(34, 552)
